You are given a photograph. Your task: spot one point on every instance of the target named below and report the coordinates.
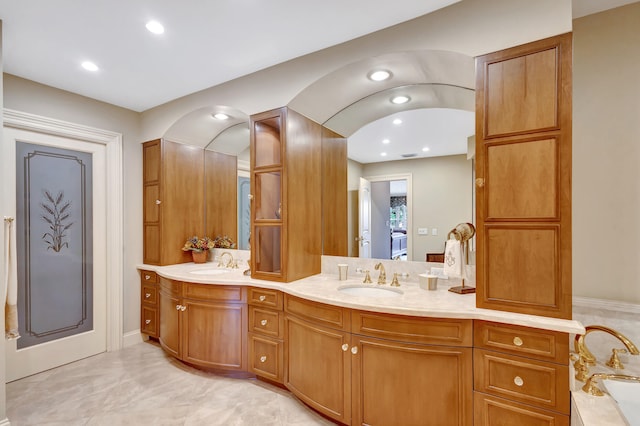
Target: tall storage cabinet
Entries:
(523, 185)
(286, 188)
(173, 206)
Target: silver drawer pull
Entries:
(183, 308)
(517, 341)
(147, 295)
(158, 202)
(263, 298)
(263, 322)
(263, 358)
(147, 277)
(518, 381)
(147, 321)
(354, 350)
(178, 307)
(345, 347)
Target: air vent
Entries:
(409, 155)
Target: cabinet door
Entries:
(215, 335)
(170, 324)
(409, 384)
(318, 363)
(492, 411)
(523, 185)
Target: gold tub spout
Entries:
(591, 387)
(582, 350)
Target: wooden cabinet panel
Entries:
(149, 324)
(151, 157)
(266, 298)
(335, 216)
(525, 341)
(148, 276)
(149, 319)
(523, 178)
(437, 331)
(214, 335)
(266, 322)
(318, 367)
(170, 324)
(492, 411)
(525, 380)
(327, 315)
(407, 384)
(266, 357)
(214, 292)
(150, 294)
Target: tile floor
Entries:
(140, 385)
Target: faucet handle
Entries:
(395, 282)
(614, 361)
(367, 277)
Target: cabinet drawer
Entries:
(148, 276)
(525, 341)
(491, 411)
(539, 383)
(149, 294)
(215, 292)
(169, 287)
(149, 321)
(266, 321)
(450, 332)
(265, 297)
(266, 357)
(319, 313)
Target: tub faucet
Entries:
(585, 354)
(382, 278)
(229, 262)
(592, 388)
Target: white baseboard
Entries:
(132, 338)
(5, 422)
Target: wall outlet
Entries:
(434, 231)
(423, 231)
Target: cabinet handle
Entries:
(345, 347)
(263, 322)
(147, 277)
(147, 295)
(518, 381)
(479, 182)
(354, 350)
(183, 308)
(250, 196)
(147, 321)
(263, 298)
(158, 202)
(263, 358)
(178, 307)
(517, 341)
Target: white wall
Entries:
(27, 96)
(606, 155)
(3, 290)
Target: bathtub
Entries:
(627, 396)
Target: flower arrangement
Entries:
(224, 242)
(198, 244)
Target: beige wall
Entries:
(27, 96)
(606, 155)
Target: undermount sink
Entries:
(209, 271)
(369, 291)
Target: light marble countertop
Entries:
(413, 301)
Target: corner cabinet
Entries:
(523, 184)
(173, 183)
(204, 325)
(286, 189)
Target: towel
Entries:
(10, 281)
(453, 259)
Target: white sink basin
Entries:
(209, 271)
(369, 291)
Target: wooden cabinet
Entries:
(523, 185)
(521, 375)
(149, 318)
(366, 368)
(173, 206)
(286, 186)
(266, 333)
(204, 325)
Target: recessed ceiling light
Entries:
(220, 116)
(425, 149)
(89, 66)
(155, 27)
(386, 141)
(401, 99)
(379, 75)
(383, 154)
(397, 121)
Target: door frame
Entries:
(408, 177)
(114, 198)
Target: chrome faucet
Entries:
(585, 354)
(382, 278)
(229, 263)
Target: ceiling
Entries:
(207, 43)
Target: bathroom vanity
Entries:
(407, 357)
